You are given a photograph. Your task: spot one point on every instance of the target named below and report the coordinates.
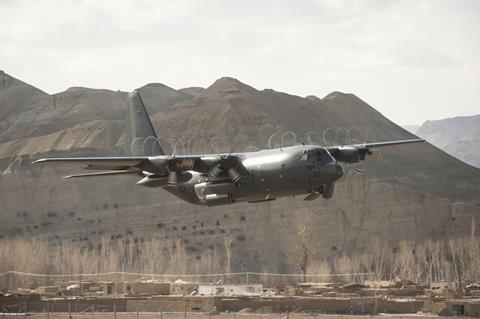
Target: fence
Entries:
(93, 312)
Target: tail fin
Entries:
(143, 140)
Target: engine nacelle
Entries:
(218, 199)
(157, 165)
(350, 154)
(214, 193)
(152, 180)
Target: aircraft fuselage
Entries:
(271, 174)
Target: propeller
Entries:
(178, 165)
(376, 155)
(230, 165)
(172, 178)
(215, 171)
(216, 167)
(234, 174)
(359, 168)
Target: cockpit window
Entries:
(322, 155)
(311, 155)
(319, 155)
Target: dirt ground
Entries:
(158, 315)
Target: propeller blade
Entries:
(181, 164)
(359, 170)
(172, 178)
(234, 174)
(226, 164)
(215, 171)
(378, 156)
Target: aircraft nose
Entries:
(336, 171)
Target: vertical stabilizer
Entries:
(143, 139)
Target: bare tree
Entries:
(303, 246)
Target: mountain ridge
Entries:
(458, 136)
(418, 192)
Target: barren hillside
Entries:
(417, 192)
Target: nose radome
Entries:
(337, 171)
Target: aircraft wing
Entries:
(100, 163)
(376, 144)
(110, 166)
(214, 165)
(389, 143)
(356, 152)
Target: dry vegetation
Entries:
(150, 256)
(456, 259)
(450, 259)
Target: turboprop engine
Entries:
(350, 154)
(214, 194)
(152, 180)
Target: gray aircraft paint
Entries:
(220, 179)
(141, 131)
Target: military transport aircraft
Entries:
(219, 179)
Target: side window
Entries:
(311, 155)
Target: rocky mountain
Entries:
(411, 128)
(193, 91)
(417, 192)
(458, 136)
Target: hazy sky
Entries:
(412, 60)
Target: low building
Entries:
(442, 287)
(378, 283)
(140, 288)
(183, 288)
(315, 288)
(473, 289)
(48, 291)
(230, 290)
(469, 308)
